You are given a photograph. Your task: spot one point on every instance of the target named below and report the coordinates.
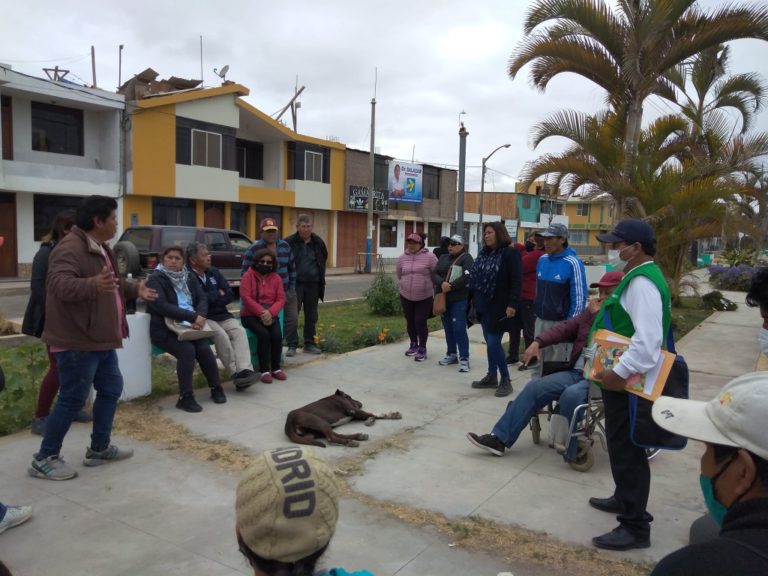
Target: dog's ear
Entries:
(339, 393)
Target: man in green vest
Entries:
(638, 308)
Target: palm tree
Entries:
(628, 52)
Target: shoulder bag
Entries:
(184, 331)
(440, 302)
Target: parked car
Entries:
(139, 248)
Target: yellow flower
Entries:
(381, 337)
(333, 326)
(315, 339)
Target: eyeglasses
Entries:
(454, 243)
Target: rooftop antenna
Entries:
(290, 105)
(460, 114)
(222, 73)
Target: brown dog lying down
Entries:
(318, 419)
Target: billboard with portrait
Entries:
(404, 182)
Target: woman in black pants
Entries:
(180, 297)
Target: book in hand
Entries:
(605, 352)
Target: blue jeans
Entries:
(568, 385)
(77, 370)
(3, 509)
(497, 359)
(455, 325)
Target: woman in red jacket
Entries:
(263, 297)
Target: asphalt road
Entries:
(341, 287)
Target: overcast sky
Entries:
(434, 58)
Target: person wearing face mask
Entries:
(534, 249)
(640, 308)
(733, 479)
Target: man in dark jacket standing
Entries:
(85, 323)
(734, 477)
(230, 339)
(310, 256)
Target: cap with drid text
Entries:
(560, 230)
(629, 231)
(268, 224)
(611, 278)
(287, 504)
(736, 417)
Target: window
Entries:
(380, 173)
(47, 207)
(239, 216)
(250, 159)
(206, 149)
(313, 166)
(526, 201)
(6, 127)
(430, 183)
(582, 209)
(57, 129)
(239, 242)
(577, 237)
(387, 233)
(177, 236)
(434, 232)
(173, 212)
(216, 241)
(139, 237)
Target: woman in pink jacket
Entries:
(263, 297)
(414, 271)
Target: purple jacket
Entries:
(574, 330)
(415, 274)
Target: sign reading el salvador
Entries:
(405, 182)
(358, 200)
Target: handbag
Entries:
(440, 301)
(185, 333)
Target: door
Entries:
(213, 214)
(8, 254)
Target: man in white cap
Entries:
(734, 476)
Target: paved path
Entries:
(166, 512)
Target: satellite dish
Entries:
(223, 72)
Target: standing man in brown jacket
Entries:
(85, 323)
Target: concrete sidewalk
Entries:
(166, 512)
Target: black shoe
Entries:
(621, 538)
(487, 442)
(244, 379)
(487, 381)
(217, 395)
(189, 404)
(512, 359)
(504, 389)
(610, 505)
(532, 364)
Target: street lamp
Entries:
(482, 191)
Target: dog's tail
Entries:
(292, 433)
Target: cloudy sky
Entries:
(433, 59)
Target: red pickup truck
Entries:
(139, 248)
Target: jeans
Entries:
(535, 396)
(455, 325)
(77, 370)
(3, 509)
(231, 344)
(497, 361)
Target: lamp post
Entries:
(482, 191)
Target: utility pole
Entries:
(462, 169)
(369, 237)
(482, 190)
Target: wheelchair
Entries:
(588, 423)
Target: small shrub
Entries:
(24, 366)
(373, 335)
(716, 301)
(738, 256)
(327, 339)
(382, 296)
(737, 277)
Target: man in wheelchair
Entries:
(567, 386)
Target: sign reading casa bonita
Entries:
(358, 199)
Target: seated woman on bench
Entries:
(263, 297)
(568, 387)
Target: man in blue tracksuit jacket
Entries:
(561, 288)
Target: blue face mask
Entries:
(716, 509)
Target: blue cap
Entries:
(629, 231)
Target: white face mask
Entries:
(615, 260)
(762, 339)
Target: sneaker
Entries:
(38, 425)
(189, 404)
(421, 355)
(487, 442)
(412, 350)
(464, 365)
(111, 454)
(504, 389)
(244, 379)
(279, 375)
(312, 349)
(217, 395)
(291, 351)
(266, 377)
(51, 468)
(15, 515)
(448, 359)
(487, 381)
(83, 416)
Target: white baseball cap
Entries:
(736, 417)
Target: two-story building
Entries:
(588, 218)
(60, 141)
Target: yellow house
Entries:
(205, 157)
(587, 219)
